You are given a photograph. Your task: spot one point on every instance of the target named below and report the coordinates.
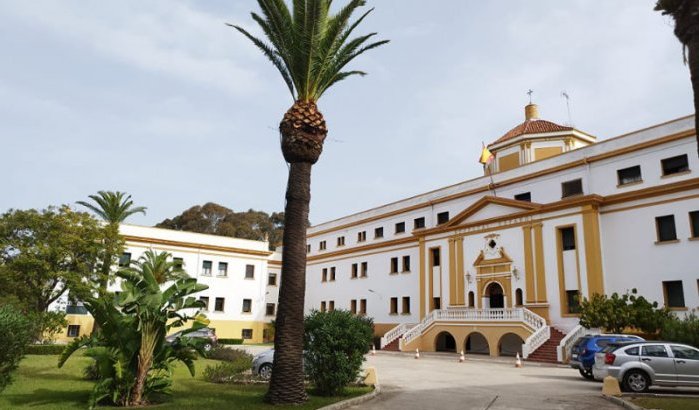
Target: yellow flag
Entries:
(486, 156)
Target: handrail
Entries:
(395, 333)
(535, 340)
(566, 345)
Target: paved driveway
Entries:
(440, 382)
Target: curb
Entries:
(354, 400)
(623, 403)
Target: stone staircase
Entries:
(547, 352)
(394, 346)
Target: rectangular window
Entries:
(205, 299)
(272, 279)
(361, 236)
(179, 263)
(434, 253)
(394, 265)
(406, 305)
(73, 330)
(332, 273)
(629, 175)
(568, 238)
(674, 294)
(675, 165)
(394, 306)
(571, 188)
(437, 302)
(524, 196)
(322, 245)
(362, 307)
(308, 248)
(694, 223)
(218, 304)
(322, 306)
(246, 334)
(331, 305)
(419, 223)
(365, 269)
(442, 218)
(400, 227)
(665, 225)
(340, 241)
(76, 310)
(247, 305)
(125, 260)
(324, 278)
(353, 306)
(269, 309)
(573, 299)
(354, 270)
(222, 268)
(406, 263)
(249, 271)
(206, 268)
(378, 233)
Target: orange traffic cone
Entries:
(417, 353)
(518, 361)
(462, 358)
(373, 350)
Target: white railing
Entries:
(529, 318)
(395, 333)
(566, 345)
(535, 340)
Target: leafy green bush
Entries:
(682, 330)
(15, 333)
(227, 371)
(616, 313)
(230, 341)
(48, 325)
(335, 343)
(45, 349)
(228, 355)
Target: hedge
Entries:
(230, 341)
(45, 349)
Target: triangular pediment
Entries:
(491, 207)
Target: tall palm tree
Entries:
(686, 16)
(310, 47)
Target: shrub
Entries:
(45, 349)
(230, 341)
(682, 330)
(616, 313)
(228, 355)
(15, 332)
(48, 325)
(227, 371)
(335, 344)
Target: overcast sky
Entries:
(162, 100)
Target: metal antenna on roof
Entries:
(529, 93)
(565, 95)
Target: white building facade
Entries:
(498, 264)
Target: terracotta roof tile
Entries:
(533, 126)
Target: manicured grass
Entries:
(39, 384)
(667, 403)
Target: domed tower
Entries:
(533, 140)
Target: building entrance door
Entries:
(495, 296)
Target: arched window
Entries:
(471, 299)
(518, 297)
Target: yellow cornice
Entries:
(156, 241)
(488, 187)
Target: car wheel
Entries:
(207, 347)
(586, 373)
(265, 371)
(636, 381)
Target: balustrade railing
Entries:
(395, 333)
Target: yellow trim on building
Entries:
(593, 250)
(540, 265)
(421, 252)
(529, 279)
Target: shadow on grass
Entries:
(42, 397)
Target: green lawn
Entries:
(39, 384)
(667, 403)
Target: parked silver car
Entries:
(639, 365)
(262, 364)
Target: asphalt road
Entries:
(439, 382)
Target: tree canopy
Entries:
(215, 219)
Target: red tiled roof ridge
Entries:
(531, 126)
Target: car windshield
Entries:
(582, 341)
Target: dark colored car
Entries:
(583, 352)
(206, 336)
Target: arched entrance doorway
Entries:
(510, 344)
(445, 342)
(476, 343)
(495, 296)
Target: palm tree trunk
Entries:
(145, 362)
(286, 385)
(693, 61)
